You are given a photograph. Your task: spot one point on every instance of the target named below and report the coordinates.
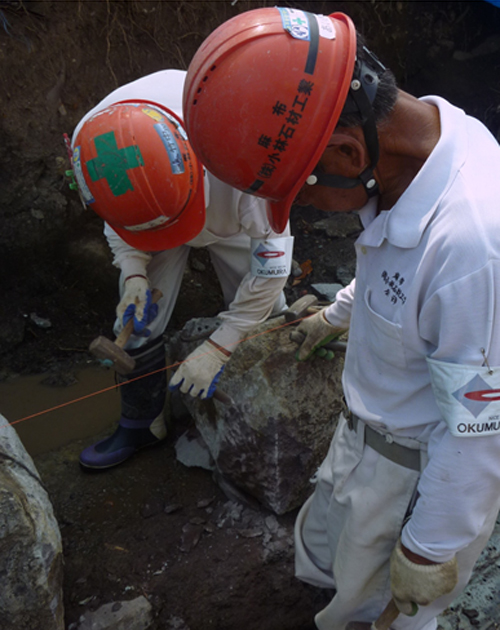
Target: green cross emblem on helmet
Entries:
(113, 163)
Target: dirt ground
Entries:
(156, 528)
(153, 526)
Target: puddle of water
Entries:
(26, 395)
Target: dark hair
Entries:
(387, 90)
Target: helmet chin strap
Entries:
(359, 100)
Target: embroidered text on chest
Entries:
(393, 287)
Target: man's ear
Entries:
(348, 150)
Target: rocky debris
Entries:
(345, 274)
(41, 322)
(191, 450)
(339, 225)
(176, 623)
(477, 606)
(191, 534)
(196, 264)
(31, 560)
(327, 291)
(273, 435)
(135, 614)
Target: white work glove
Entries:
(416, 585)
(199, 373)
(317, 331)
(137, 303)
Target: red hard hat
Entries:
(262, 97)
(135, 167)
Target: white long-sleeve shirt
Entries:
(230, 214)
(428, 287)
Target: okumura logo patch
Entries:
(468, 397)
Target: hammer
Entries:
(112, 353)
(308, 305)
(387, 616)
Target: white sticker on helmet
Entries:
(80, 179)
(173, 150)
(149, 225)
(271, 258)
(326, 26)
(177, 125)
(297, 24)
(468, 397)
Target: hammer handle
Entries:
(388, 615)
(128, 329)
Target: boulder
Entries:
(31, 560)
(274, 429)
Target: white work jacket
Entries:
(427, 286)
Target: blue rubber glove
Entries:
(137, 303)
(199, 374)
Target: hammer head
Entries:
(300, 308)
(112, 355)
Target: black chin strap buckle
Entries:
(369, 182)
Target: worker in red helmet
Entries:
(135, 168)
(407, 496)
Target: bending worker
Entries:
(408, 494)
(135, 168)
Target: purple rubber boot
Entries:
(142, 421)
(129, 437)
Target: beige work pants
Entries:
(346, 531)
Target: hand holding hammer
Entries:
(111, 353)
(387, 616)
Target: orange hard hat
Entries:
(262, 97)
(136, 169)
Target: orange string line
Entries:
(116, 385)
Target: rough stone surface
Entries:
(31, 561)
(135, 614)
(478, 606)
(338, 225)
(191, 450)
(270, 440)
(327, 290)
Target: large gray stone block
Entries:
(272, 437)
(31, 561)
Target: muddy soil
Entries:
(203, 557)
(156, 528)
